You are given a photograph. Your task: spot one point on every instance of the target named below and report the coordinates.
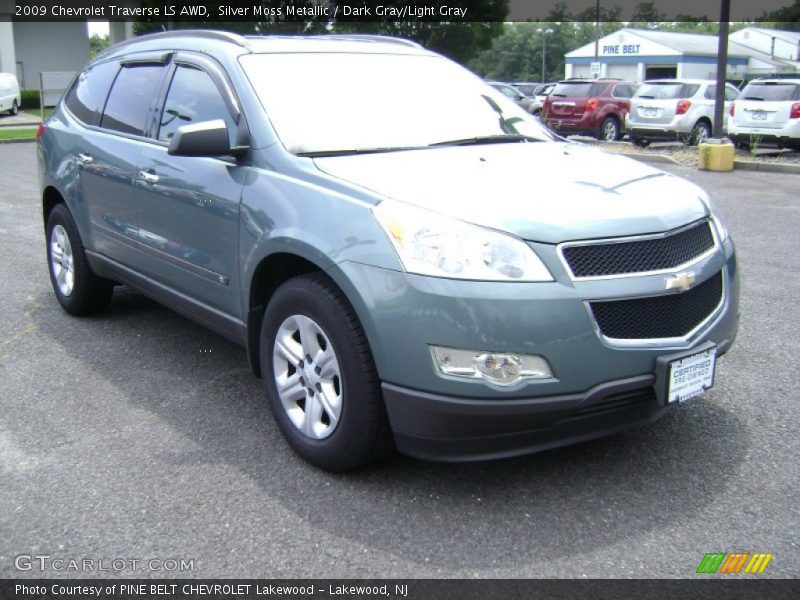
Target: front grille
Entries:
(672, 315)
(640, 256)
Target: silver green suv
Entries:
(448, 279)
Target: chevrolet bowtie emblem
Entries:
(681, 281)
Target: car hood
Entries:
(544, 191)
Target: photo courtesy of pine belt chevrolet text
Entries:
(447, 279)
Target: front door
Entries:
(189, 206)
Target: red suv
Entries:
(589, 106)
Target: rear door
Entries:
(766, 104)
(109, 157)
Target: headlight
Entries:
(429, 243)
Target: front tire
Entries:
(320, 378)
(78, 290)
(14, 109)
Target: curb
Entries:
(651, 158)
(18, 141)
(750, 165)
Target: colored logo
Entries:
(734, 562)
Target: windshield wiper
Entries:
(754, 98)
(488, 139)
(648, 97)
(353, 151)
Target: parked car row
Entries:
(766, 111)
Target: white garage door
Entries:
(628, 72)
(581, 71)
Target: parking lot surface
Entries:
(138, 434)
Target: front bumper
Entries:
(432, 426)
(599, 386)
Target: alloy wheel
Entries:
(307, 376)
(61, 260)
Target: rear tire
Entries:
(330, 407)
(14, 108)
(639, 142)
(610, 130)
(700, 133)
(78, 290)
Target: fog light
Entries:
(499, 368)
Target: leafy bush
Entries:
(30, 99)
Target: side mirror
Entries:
(207, 138)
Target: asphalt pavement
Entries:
(139, 435)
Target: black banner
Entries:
(483, 589)
(453, 11)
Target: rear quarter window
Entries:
(88, 94)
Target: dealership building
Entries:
(636, 54)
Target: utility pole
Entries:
(597, 34)
(544, 33)
(722, 67)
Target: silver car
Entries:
(767, 111)
(445, 278)
(670, 109)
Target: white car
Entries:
(10, 98)
(767, 111)
(670, 109)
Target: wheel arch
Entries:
(51, 197)
(272, 271)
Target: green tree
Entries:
(97, 44)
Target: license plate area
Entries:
(686, 375)
(758, 115)
(650, 112)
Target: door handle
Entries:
(85, 159)
(148, 177)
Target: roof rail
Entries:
(211, 34)
(366, 37)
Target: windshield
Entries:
(771, 91)
(379, 101)
(666, 91)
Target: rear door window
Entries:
(193, 97)
(131, 98)
(771, 91)
(88, 94)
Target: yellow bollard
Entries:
(716, 155)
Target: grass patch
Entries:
(18, 134)
(37, 112)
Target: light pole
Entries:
(544, 33)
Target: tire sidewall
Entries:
(300, 297)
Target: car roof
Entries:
(786, 80)
(674, 80)
(212, 40)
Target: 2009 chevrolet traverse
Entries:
(382, 256)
